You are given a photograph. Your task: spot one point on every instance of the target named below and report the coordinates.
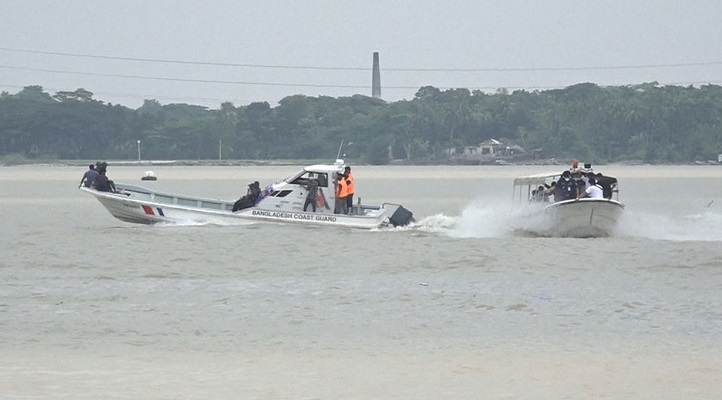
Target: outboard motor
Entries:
(401, 217)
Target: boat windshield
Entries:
(302, 179)
(292, 178)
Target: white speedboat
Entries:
(282, 201)
(584, 217)
(149, 176)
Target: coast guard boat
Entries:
(583, 218)
(281, 201)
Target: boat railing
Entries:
(140, 193)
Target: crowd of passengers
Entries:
(576, 184)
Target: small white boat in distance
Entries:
(282, 201)
(149, 176)
(583, 217)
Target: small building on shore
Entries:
(487, 150)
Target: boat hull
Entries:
(583, 218)
(138, 205)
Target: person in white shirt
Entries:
(593, 190)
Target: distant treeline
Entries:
(646, 122)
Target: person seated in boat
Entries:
(89, 177)
(593, 191)
(255, 191)
(607, 184)
(549, 189)
(312, 189)
(545, 192)
(102, 183)
(566, 188)
(539, 195)
(102, 168)
(249, 199)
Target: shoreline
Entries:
(286, 162)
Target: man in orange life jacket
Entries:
(349, 189)
(341, 193)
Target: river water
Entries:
(462, 305)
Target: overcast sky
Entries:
(209, 52)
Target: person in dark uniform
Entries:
(102, 183)
(255, 192)
(250, 198)
(312, 188)
(566, 188)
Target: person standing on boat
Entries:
(312, 188)
(89, 176)
(566, 188)
(350, 188)
(341, 193)
(580, 179)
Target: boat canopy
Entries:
(534, 180)
(540, 179)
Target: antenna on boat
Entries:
(340, 147)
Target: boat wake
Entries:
(479, 219)
(482, 219)
(705, 226)
(435, 223)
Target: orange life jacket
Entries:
(341, 190)
(350, 184)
